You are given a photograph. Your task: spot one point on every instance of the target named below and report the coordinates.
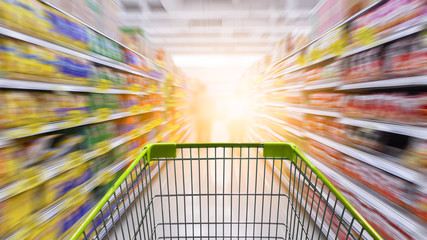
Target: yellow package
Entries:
(14, 211)
(11, 160)
(40, 24)
(11, 12)
(11, 55)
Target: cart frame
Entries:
(300, 168)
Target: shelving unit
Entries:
(316, 69)
(93, 57)
(396, 214)
(104, 159)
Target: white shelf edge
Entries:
(387, 83)
(335, 82)
(314, 111)
(388, 166)
(44, 86)
(409, 130)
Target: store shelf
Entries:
(46, 86)
(323, 84)
(93, 57)
(314, 111)
(21, 132)
(393, 36)
(388, 83)
(401, 219)
(403, 129)
(72, 160)
(342, 23)
(287, 87)
(112, 169)
(378, 162)
(101, 33)
(308, 65)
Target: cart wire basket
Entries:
(223, 191)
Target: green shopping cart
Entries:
(223, 191)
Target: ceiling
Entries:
(217, 26)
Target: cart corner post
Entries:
(280, 150)
(160, 150)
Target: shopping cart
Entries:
(223, 191)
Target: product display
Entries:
(349, 99)
(76, 107)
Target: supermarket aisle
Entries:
(220, 132)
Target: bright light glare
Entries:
(214, 61)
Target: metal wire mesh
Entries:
(223, 193)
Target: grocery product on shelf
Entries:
(76, 107)
(358, 108)
(389, 107)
